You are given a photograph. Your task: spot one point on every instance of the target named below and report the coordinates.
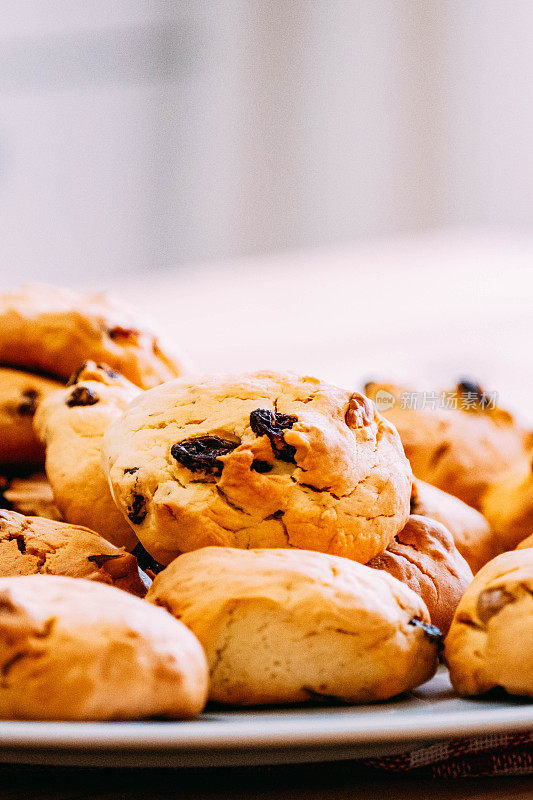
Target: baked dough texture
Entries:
(55, 330)
(423, 556)
(71, 423)
(31, 545)
(30, 495)
(77, 650)
(20, 393)
(283, 626)
(460, 451)
(508, 506)
(470, 530)
(490, 643)
(262, 460)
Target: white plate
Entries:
(223, 737)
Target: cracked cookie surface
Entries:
(20, 393)
(490, 643)
(78, 650)
(72, 429)
(32, 545)
(423, 556)
(54, 330)
(262, 460)
(281, 626)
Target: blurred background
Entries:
(142, 137)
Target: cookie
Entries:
(490, 643)
(508, 506)
(526, 543)
(470, 530)
(460, 450)
(20, 392)
(31, 495)
(263, 460)
(78, 650)
(284, 626)
(54, 330)
(31, 545)
(423, 556)
(71, 424)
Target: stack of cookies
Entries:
(247, 539)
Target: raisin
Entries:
(131, 470)
(123, 333)
(100, 560)
(90, 365)
(272, 424)
(202, 454)
(431, 631)
(414, 500)
(491, 601)
(137, 509)
(28, 405)
(82, 396)
(145, 560)
(470, 388)
(261, 466)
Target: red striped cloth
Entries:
(491, 754)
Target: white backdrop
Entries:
(140, 134)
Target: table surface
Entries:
(423, 309)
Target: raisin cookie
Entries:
(263, 460)
(31, 545)
(71, 423)
(30, 495)
(490, 643)
(508, 506)
(423, 556)
(470, 530)
(20, 393)
(79, 650)
(284, 626)
(461, 450)
(53, 330)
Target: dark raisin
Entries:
(269, 423)
(28, 405)
(131, 470)
(431, 631)
(491, 601)
(21, 543)
(100, 560)
(202, 454)
(145, 560)
(414, 500)
(74, 378)
(470, 388)
(122, 333)
(261, 466)
(82, 396)
(137, 509)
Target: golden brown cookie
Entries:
(71, 423)
(423, 556)
(55, 330)
(461, 450)
(508, 506)
(262, 460)
(79, 650)
(490, 643)
(470, 530)
(31, 545)
(526, 543)
(284, 626)
(30, 495)
(20, 393)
